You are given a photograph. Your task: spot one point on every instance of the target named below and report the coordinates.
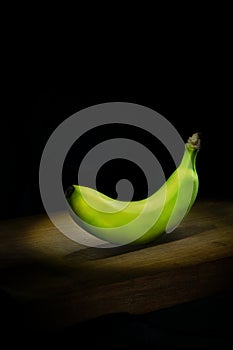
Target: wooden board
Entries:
(61, 282)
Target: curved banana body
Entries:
(143, 221)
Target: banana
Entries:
(139, 222)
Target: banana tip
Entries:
(69, 191)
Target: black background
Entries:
(191, 99)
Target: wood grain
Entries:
(61, 282)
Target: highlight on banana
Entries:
(143, 221)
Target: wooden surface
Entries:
(61, 282)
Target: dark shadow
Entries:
(205, 322)
(92, 253)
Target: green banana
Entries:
(143, 221)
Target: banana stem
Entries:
(194, 142)
(193, 145)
